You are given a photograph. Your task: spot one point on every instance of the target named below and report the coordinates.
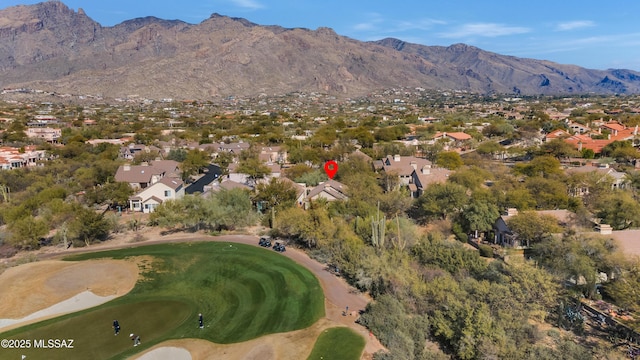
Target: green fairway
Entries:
(338, 343)
(243, 292)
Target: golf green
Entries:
(243, 292)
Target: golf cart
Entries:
(265, 241)
(279, 246)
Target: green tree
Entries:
(178, 155)
(471, 177)
(559, 149)
(27, 231)
(625, 289)
(532, 228)
(115, 194)
(490, 148)
(540, 166)
(549, 193)
(479, 215)
(89, 226)
(449, 159)
(440, 201)
(277, 193)
(312, 178)
(619, 209)
(253, 168)
(236, 208)
(194, 162)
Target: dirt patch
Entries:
(47, 283)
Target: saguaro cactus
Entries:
(378, 226)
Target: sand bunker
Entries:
(41, 286)
(167, 352)
(84, 300)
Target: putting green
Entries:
(338, 343)
(243, 292)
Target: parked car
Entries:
(265, 241)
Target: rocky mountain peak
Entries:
(51, 47)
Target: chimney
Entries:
(426, 170)
(126, 167)
(396, 157)
(414, 165)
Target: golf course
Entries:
(243, 292)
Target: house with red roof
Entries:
(581, 141)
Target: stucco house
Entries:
(618, 179)
(330, 190)
(143, 176)
(403, 166)
(425, 176)
(149, 198)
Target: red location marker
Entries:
(331, 168)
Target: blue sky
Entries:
(588, 33)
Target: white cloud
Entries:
(572, 25)
(370, 24)
(377, 23)
(248, 4)
(485, 29)
(421, 24)
(364, 26)
(617, 39)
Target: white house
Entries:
(150, 197)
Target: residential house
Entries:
(143, 176)
(578, 128)
(301, 190)
(457, 137)
(13, 158)
(452, 140)
(618, 179)
(330, 190)
(403, 166)
(226, 184)
(357, 154)
(615, 130)
(50, 135)
(425, 176)
(242, 178)
(95, 142)
(129, 152)
(557, 134)
(235, 148)
(504, 236)
(273, 154)
(167, 188)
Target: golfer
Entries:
(135, 338)
(116, 327)
(200, 321)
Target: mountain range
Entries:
(51, 47)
